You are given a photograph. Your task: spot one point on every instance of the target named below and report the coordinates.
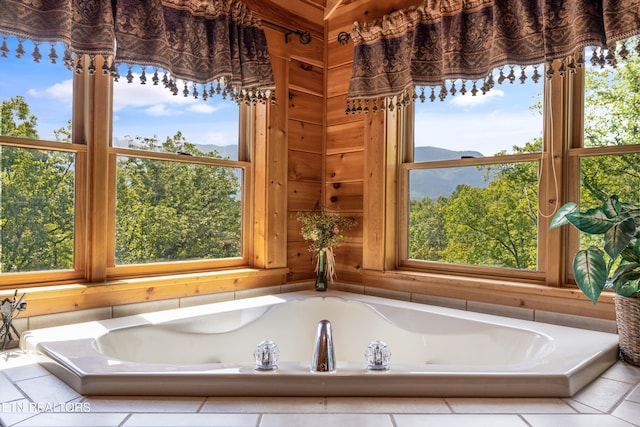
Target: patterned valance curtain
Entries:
(445, 47)
(195, 47)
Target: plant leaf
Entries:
(592, 221)
(629, 288)
(611, 207)
(560, 217)
(626, 281)
(618, 237)
(625, 278)
(590, 271)
(632, 252)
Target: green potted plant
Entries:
(616, 266)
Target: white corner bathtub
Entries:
(208, 350)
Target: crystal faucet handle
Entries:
(266, 356)
(378, 356)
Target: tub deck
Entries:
(567, 360)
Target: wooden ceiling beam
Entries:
(331, 7)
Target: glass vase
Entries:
(321, 271)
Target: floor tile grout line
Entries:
(204, 401)
(626, 421)
(394, 423)
(625, 398)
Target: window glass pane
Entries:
(37, 198)
(145, 115)
(173, 211)
(507, 116)
(35, 98)
(487, 215)
(612, 103)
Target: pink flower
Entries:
(335, 230)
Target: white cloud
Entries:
(61, 91)
(468, 100)
(158, 99)
(137, 95)
(203, 108)
(160, 110)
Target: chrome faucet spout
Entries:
(324, 359)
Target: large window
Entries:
(169, 175)
(39, 211)
(186, 204)
(473, 175)
(610, 161)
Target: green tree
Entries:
(173, 210)
(166, 210)
(427, 238)
(16, 119)
(37, 198)
(496, 225)
(612, 118)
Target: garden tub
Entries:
(208, 350)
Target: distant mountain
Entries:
(430, 183)
(433, 183)
(224, 151)
(430, 154)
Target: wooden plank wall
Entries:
(303, 128)
(345, 134)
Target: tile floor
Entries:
(31, 396)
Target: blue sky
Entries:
(487, 123)
(139, 110)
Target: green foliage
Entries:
(37, 209)
(618, 224)
(497, 225)
(167, 211)
(16, 119)
(492, 226)
(427, 233)
(37, 205)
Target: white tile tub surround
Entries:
(561, 362)
(24, 323)
(18, 368)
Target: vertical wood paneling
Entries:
(99, 131)
(277, 167)
(373, 238)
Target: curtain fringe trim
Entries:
(221, 85)
(602, 57)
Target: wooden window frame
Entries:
(95, 191)
(563, 124)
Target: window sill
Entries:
(64, 298)
(503, 292)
